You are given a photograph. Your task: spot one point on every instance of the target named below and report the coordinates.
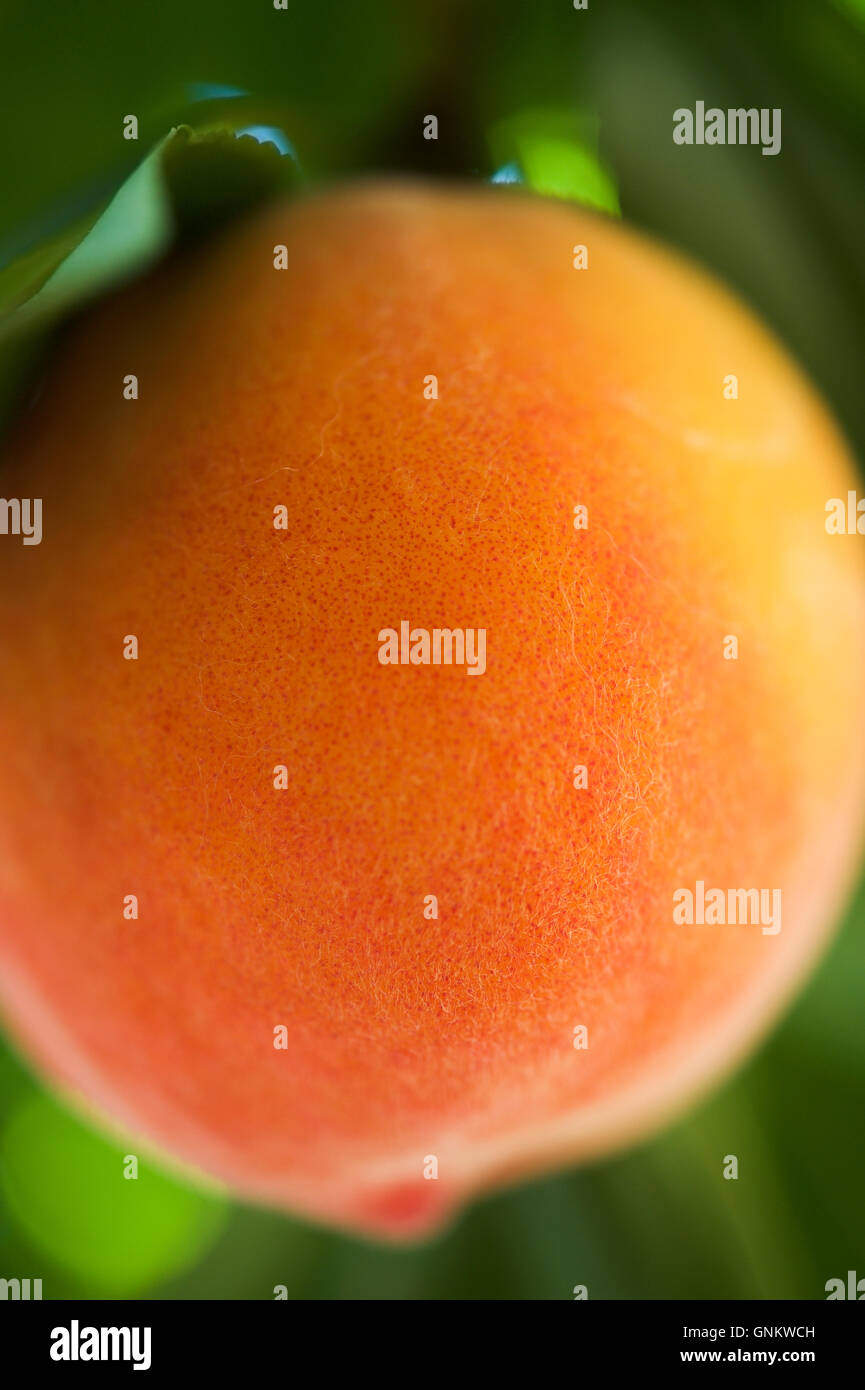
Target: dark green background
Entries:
(350, 83)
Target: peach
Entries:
(361, 936)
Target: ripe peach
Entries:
(470, 945)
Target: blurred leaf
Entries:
(192, 182)
(213, 175)
(66, 1190)
(556, 153)
(333, 75)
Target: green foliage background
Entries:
(582, 102)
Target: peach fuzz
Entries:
(412, 1037)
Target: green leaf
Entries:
(70, 1191)
(192, 182)
(556, 154)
